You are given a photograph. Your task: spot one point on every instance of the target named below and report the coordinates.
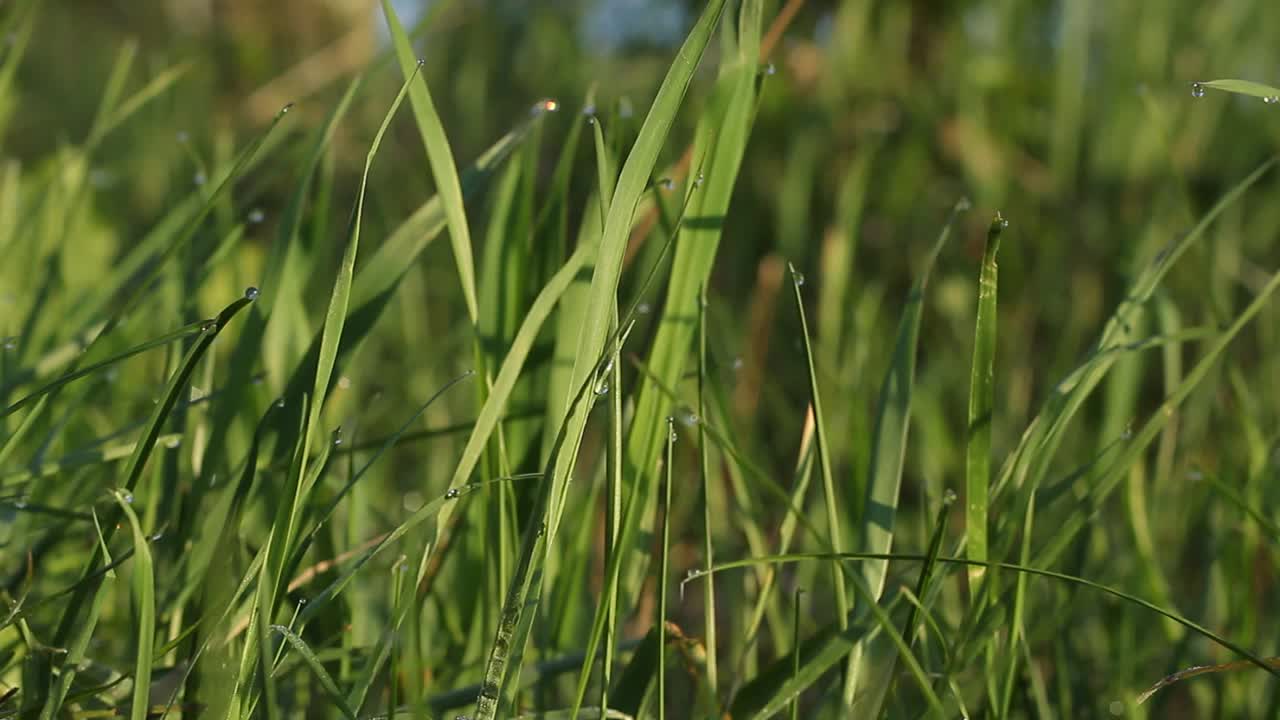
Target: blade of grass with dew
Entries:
(144, 596)
(327, 684)
(68, 633)
(1243, 87)
(440, 157)
(592, 340)
(981, 405)
(830, 499)
(884, 477)
(663, 560)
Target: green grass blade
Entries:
(317, 668)
(1240, 87)
(440, 157)
(144, 593)
(981, 405)
(888, 454)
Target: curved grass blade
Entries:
(144, 593)
(981, 403)
(1198, 670)
(1013, 567)
(440, 157)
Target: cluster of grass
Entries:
(730, 394)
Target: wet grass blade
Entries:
(1241, 87)
(327, 684)
(981, 404)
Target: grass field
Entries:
(813, 360)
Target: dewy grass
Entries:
(498, 524)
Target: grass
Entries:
(675, 423)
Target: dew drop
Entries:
(1271, 99)
(209, 326)
(738, 363)
(948, 496)
(644, 309)
(667, 184)
(769, 69)
(689, 418)
(591, 120)
(798, 278)
(251, 293)
(284, 110)
(256, 216)
(452, 494)
(1197, 90)
(337, 436)
(964, 205)
(697, 181)
(10, 343)
(422, 62)
(279, 402)
(302, 601)
(690, 574)
(344, 382)
(172, 442)
(589, 110)
(200, 178)
(1128, 431)
(127, 497)
(20, 504)
(157, 537)
(602, 388)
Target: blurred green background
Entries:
(1074, 119)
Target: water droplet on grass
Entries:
(738, 363)
(589, 111)
(644, 309)
(10, 343)
(948, 496)
(667, 184)
(280, 402)
(337, 436)
(422, 62)
(251, 293)
(769, 69)
(602, 388)
(287, 107)
(199, 178)
(799, 279)
(452, 494)
(172, 442)
(1271, 99)
(256, 216)
(697, 181)
(1197, 90)
(127, 497)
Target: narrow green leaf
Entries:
(317, 668)
(981, 403)
(1268, 93)
(144, 595)
(440, 157)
